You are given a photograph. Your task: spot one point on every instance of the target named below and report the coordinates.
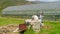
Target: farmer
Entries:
(41, 18)
(27, 21)
(35, 23)
(22, 28)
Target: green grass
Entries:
(50, 27)
(7, 21)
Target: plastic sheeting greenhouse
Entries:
(47, 9)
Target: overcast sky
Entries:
(45, 0)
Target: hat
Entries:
(35, 17)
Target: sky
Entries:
(45, 0)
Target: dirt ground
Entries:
(8, 29)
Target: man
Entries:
(35, 23)
(22, 28)
(41, 18)
(27, 21)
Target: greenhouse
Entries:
(28, 10)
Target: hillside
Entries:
(6, 3)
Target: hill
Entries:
(6, 3)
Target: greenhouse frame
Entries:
(33, 9)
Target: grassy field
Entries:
(7, 21)
(49, 28)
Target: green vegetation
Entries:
(7, 21)
(50, 27)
